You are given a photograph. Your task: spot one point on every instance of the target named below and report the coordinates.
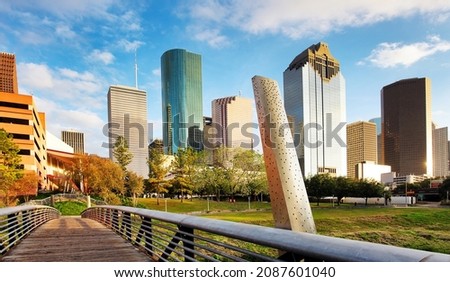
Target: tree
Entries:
(369, 189)
(121, 153)
(343, 188)
(9, 165)
(250, 165)
(320, 185)
(444, 189)
(23, 187)
(185, 169)
(99, 176)
(135, 185)
(158, 170)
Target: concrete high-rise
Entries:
(74, 139)
(127, 117)
(314, 95)
(361, 145)
(20, 118)
(440, 152)
(231, 116)
(182, 104)
(8, 73)
(406, 126)
(377, 121)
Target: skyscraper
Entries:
(20, 118)
(406, 126)
(361, 145)
(440, 152)
(8, 73)
(182, 105)
(74, 139)
(230, 116)
(127, 117)
(314, 95)
(377, 121)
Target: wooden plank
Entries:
(74, 239)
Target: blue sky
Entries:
(69, 52)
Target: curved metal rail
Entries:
(177, 237)
(17, 222)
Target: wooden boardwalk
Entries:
(74, 239)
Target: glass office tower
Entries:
(314, 97)
(182, 105)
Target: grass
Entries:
(70, 207)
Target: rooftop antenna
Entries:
(135, 68)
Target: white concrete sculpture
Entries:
(290, 204)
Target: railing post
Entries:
(88, 201)
(145, 231)
(52, 200)
(188, 242)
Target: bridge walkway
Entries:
(74, 239)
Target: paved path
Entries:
(74, 239)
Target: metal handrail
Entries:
(17, 222)
(202, 239)
(61, 197)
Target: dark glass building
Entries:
(407, 127)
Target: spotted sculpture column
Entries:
(290, 204)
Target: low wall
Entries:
(397, 200)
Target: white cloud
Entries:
(91, 124)
(101, 56)
(35, 76)
(65, 8)
(303, 18)
(388, 55)
(130, 46)
(68, 87)
(156, 72)
(213, 36)
(65, 31)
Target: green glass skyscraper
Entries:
(182, 105)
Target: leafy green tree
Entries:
(369, 189)
(249, 166)
(158, 170)
(121, 153)
(343, 188)
(320, 185)
(10, 170)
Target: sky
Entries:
(68, 52)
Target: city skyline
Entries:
(69, 53)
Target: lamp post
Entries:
(406, 191)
